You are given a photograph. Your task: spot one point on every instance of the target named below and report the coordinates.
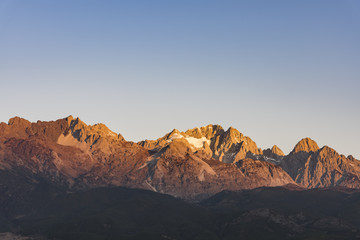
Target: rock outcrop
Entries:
(274, 152)
(226, 146)
(306, 145)
(312, 167)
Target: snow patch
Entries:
(271, 160)
(197, 142)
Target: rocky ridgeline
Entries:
(193, 164)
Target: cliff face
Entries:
(66, 151)
(312, 167)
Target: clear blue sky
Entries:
(276, 70)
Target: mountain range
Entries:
(41, 160)
(192, 165)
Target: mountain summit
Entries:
(306, 145)
(226, 146)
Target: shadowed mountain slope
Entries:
(263, 213)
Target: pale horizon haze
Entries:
(277, 71)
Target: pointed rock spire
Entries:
(276, 150)
(234, 135)
(208, 131)
(173, 133)
(306, 145)
(69, 119)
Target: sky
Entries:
(278, 71)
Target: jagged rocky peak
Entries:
(16, 127)
(22, 128)
(274, 153)
(351, 158)
(208, 131)
(173, 134)
(227, 146)
(89, 138)
(198, 138)
(69, 119)
(327, 151)
(90, 133)
(233, 145)
(76, 124)
(276, 150)
(226, 141)
(322, 168)
(235, 135)
(19, 122)
(306, 145)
